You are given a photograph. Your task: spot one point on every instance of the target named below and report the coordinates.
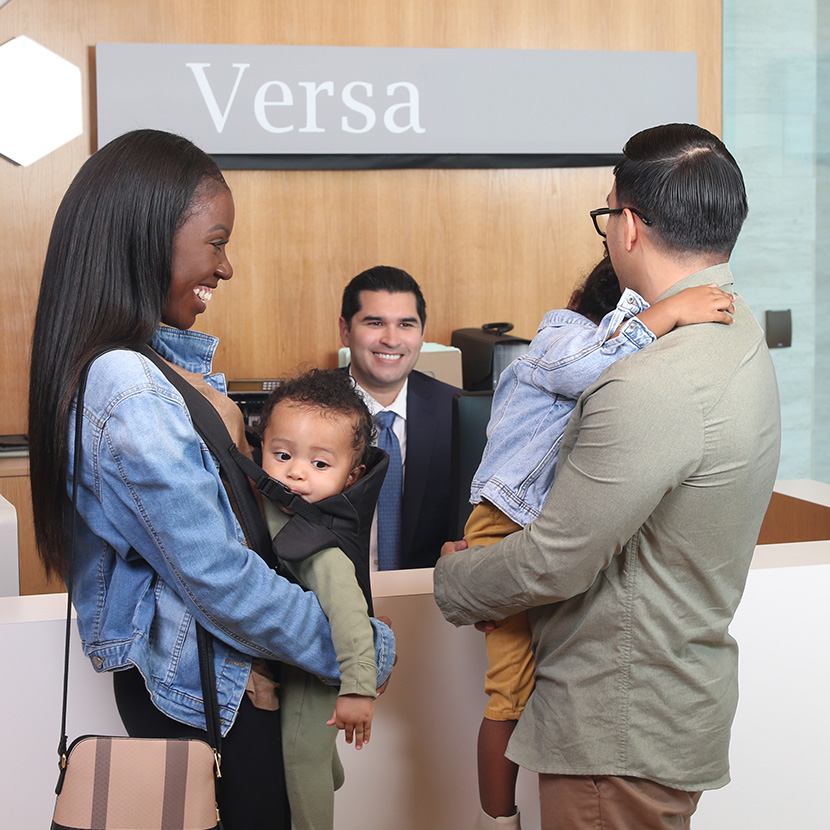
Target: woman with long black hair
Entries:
(137, 250)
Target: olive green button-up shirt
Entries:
(636, 565)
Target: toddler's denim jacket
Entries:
(535, 396)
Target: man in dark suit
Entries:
(382, 321)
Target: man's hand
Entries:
(453, 547)
(485, 626)
(353, 714)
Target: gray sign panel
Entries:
(267, 100)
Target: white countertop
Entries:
(418, 581)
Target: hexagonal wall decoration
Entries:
(41, 106)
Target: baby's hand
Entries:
(353, 714)
(703, 304)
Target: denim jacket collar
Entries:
(192, 350)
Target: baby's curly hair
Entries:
(331, 391)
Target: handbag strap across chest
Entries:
(205, 643)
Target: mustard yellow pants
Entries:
(509, 680)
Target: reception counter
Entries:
(419, 769)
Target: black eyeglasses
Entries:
(600, 217)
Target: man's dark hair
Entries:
(599, 294)
(331, 391)
(381, 278)
(687, 184)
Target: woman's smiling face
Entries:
(199, 258)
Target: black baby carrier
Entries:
(343, 521)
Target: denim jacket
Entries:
(158, 546)
(535, 396)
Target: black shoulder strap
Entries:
(211, 427)
(312, 528)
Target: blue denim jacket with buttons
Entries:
(158, 546)
(535, 396)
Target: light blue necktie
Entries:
(389, 501)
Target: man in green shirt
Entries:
(636, 565)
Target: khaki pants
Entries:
(610, 802)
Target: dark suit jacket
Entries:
(426, 487)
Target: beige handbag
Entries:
(117, 783)
(147, 783)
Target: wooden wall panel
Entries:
(485, 244)
(484, 247)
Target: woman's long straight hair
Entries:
(105, 280)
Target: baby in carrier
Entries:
(317, 442)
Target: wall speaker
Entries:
(779, 327)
